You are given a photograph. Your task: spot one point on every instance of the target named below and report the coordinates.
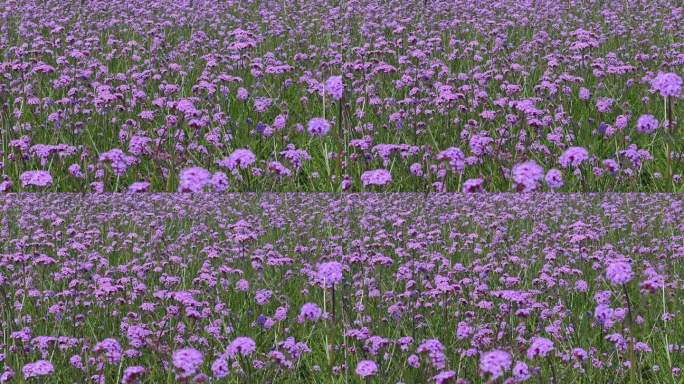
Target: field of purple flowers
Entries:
(341, 95)
(328, 288)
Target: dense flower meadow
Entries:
(341, 95)
(329, 288)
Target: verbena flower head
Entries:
(187, 361)
(454, 156)
(619, 272)
(37, 369)
(573, 156)
(111, 349)
(495, 363)
(242, 345)
(380, 177)
(241, 158)
(366, 368)
(667, 84)
(554, 179)
(318, 127)
(330, 273)
(444, 377)
(521, 372)
(35, 179)
(647, 124)
(132, 374)
(527, 176)
(473, 185)
(309, 311)
(540, 346)
(219, 368)
(334, 87)
(193, 179)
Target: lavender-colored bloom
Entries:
(330, 273)
(242, 94)
(495, 363)
(334, 87)
(584, 94)
(444, 377)
(554, 179)
(416, 169)
(240, 158)
(219, 182)
(473, 185)
(454, 156)
(619, 272)
(573, 156)
(35, 179)
(667, 84)
(366, 368)
(219, 368)
(242, 345)
(646, 124)
(540, 346)
(379, 177)
(37, 369)
(118, 160)
(111, 349)
(309, 311)
(318, 127)
(527, 175)
(194, 179)
(435, 351)
(611, 165)
(131, 374)
(521, 372)
(139, 186)
(187, 361)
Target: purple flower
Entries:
(667, 84)
(521, 372)
(219, 368)
(219, 182)
(240, 158)
(334, 87)
(527, 175)
(573, 156)
(139, 186)
(416, 169)
(379, 177)
(584, 94)
(647, 124)
(554, 179)
(619, 272)
(495, 363)
(35, 178)
(454, 156)
(309, 311)
(318, 127)
(473, 185)
(366, 368)
(194, 179)
(118, 160)
(242, 345)
(131, 374)
(187, 361)
(242, 94)
(444, 377)
(38, 368)
(435, 351)
(111, 348)
(330, 273)
(540, 346)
